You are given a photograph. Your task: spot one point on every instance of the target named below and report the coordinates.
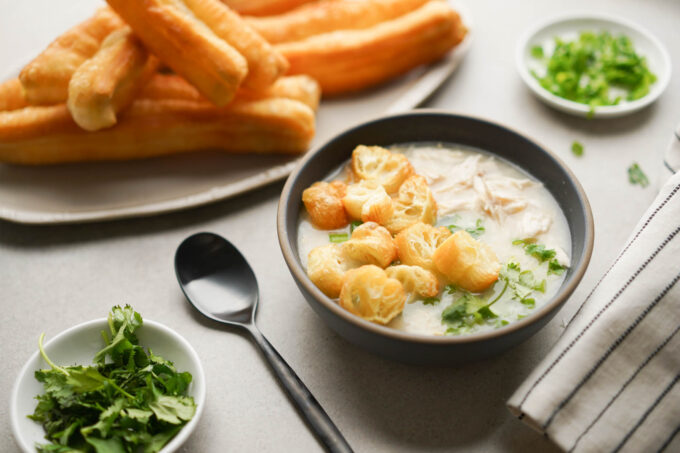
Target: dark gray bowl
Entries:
(428, 126)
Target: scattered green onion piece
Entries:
(577, 149)
(338, 237)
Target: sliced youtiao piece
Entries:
(368, 292)
(150, 127)
(374, 163)
(329, 15)
(323, 202)
(45, 79)
(326, 267)
(350, 60)
(414, 203)
(466, 262)
(172, 32)
(368, 201)
(108, 82)
(417, 243)
(265, 64)
(415, 280)
(371, 243)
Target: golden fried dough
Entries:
(368, 201)
(45, 79)
(368, 292)
(329, 15)
(371, 243)
(263, 7)
(326, 267)
(417, 243)
(351, 60)
(374, 163)
(171, 31)
(265, 64)
(109, 81)
(12, 95)
(48, 134)
(466, 262)
(300, 88)
(323, 202)
(415, 280)
(413, 204)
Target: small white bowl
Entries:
(569, 27)
(78, 345)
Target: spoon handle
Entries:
(325, 430)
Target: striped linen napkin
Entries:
(610, 383)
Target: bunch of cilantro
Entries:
(130, 401)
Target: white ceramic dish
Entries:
(568, 27)
(78, 345)
(90, 192)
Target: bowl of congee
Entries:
(430, 237)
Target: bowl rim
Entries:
(576, 108)
(198, 381)
(546, 310)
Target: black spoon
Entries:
(218, 281)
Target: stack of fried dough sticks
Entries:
(143, 78)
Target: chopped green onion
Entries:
(585, 69)
(577, 149)
(338, 237)
(637, 176)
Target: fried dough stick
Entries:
(180, 40)
(45, 79)
(346, 61)
(265, 64)
(12, 95)
(300, 88)
(38, 135)
(330, 15)
(109, 81)
(263, 7)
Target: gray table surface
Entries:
(54, 277)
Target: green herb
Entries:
(467, 311)
(130, 401)
(538, 251)
(522, 284)
(353, 226)
(577, 149)
(475, 231)
(338, 237)
(431, 301)
(584, 70)
(637, 176)
(537, 52)
(555, 268)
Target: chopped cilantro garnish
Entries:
(354, 225)
(475, 231)
(555, 268)
(577, 149)
(538, 251)
(521, 283)
(338, 237)
(130, 400)
(431, 301)
(584, 70)
(637, 176)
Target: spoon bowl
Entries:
(218, 281)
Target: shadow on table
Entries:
(30, 236)
(437, 408)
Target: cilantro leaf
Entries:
(637, 176)
(130, 401)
